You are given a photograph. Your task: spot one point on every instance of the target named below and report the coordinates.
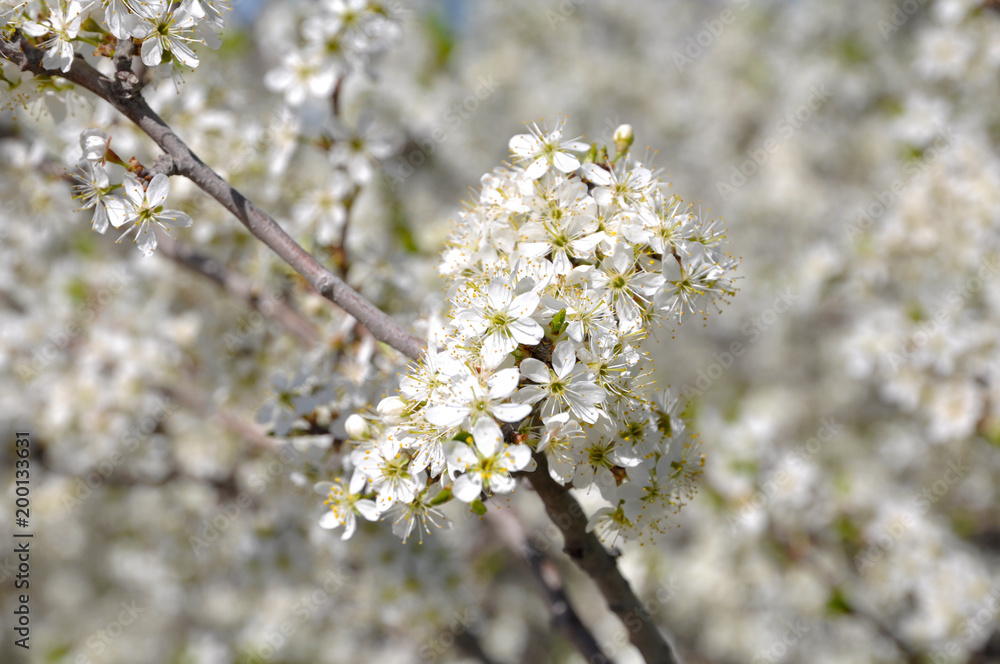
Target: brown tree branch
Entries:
(583, 547)
(511, 532)
(186, 163)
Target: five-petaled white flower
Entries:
(344, 508)
(94, 191)
(623, 284)
(471, 400)
(543, 149)
(64, 26)
(560, 386)
(487, 464)
(503, 319)
(148, 209)
(166, 29)
(388, 471)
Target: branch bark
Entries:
(565, 619)
(188, 164)
(583, 547)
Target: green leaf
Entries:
(478, 507)
(463, 437)
(558, 323)
(441, 498)
(837, 604)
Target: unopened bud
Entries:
(623, 138)
(357, 427)
(94, 143)
(391, 408)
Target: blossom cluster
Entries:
(166, 30)
(557, 274)
(344, 37)
(142, 202)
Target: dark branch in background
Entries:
(259, 223)
(565, 619)
(582, 546)
(204, 265)
(242, 288)
(193, 398)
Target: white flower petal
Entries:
(487, 435)
(524, 304)
(446, 416)
(564, 358)
(329, 521)
(518, 456)
(467, 488)
(526, 331)
(184, 54)
(152, 51)
(133, 190)
(502, 483)
(511, 412)
(498, 294)
(367, 509)
(503, 383)
(146, 239)
(523, 145)
(565, 162)
(535, 370)
(157, 190)
(603, 196)
(175, 218)
(577, 146)
(537, 169)
(596, 174)
(623, 258)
